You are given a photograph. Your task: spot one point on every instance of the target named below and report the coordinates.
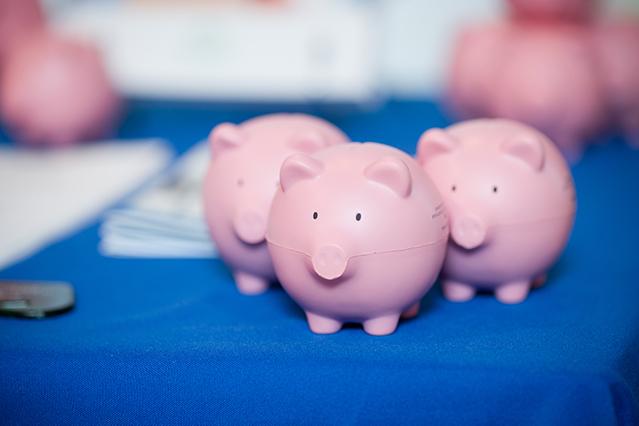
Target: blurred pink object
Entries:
(472, 77)
(543, 75)
(357, 233)
(560, 10)
(242, 179)
(617, 45)
(511, 201)
(19, 19)
(56, 91)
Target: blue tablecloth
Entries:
(166, 341)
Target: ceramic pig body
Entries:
(55, 91)
(511, 201)
(472, 74)
(241, 181)
(19, 19)
(546, 76)
(357, 233)
(577, 11)
(549, 79)
(617, 47)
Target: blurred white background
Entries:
(341, 50)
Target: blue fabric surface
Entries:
(165, 341)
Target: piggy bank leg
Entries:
(539, 281)
(411, 312)
(513, 292)
(381, 326)
(457, 292)
(250, 284)
(322, 325)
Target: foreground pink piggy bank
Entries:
(617, 45)
(56, 91)
(511, 201)
(241, 181)
(546, 76)
(357, 233)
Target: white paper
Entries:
(47, 194)
(165, 220)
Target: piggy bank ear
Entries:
(308, 142)
(393, 173)
(223, 137)
(434, 142)
(298, 167)
(526, 148)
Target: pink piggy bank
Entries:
(546, 76)
(472, 74)
(19, 19)
(357, 233)
(511, 201)
(549, 79)
(557, 10)
(617, 45)
(56, 91)
(241, 181)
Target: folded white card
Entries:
(46, 194)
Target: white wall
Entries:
(420, 33)
(407, 53)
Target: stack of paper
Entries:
(165, 220)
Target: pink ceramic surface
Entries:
(55, 91)
(472, 74)
(553, 10)
(241, 181)
(357, 233)
(543, 75)
(511, 201)
(18, 19)
(617, 45)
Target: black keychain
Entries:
(35, 299)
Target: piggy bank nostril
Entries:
(329, 262)
(250, 227)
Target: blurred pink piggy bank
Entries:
(617, 45)
(55, 91)
(241, 181)
(511, 201)
(19, 19)
(559, 10)
(545, 76)
(357, 233)
(472, 74)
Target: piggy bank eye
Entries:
(495, 189)
(453, 188)
(358, 217)
(240, 182)
(315, 215)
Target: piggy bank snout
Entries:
(330, 261)
(468, 231)
(250, 227)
